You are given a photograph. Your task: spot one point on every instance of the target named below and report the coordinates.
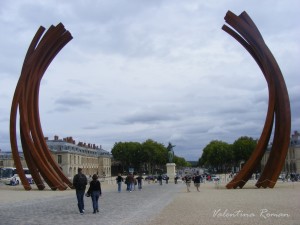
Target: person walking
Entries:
(119, 180)
(188, 180)
(80, 182)
(175, 179)
(95, 192)
(197, 180)
(130, 182)
(139, 181)
(167, 179)
(134, 183)
(127, 183)
(159, 178)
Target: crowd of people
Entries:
(131, 181)
(196, 178)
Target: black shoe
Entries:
(97, 210)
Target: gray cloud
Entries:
(72, 102)
(150, 69)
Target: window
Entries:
(59, 159)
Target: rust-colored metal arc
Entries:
(281, 140)
(36, 152)
(35, 122)
(250, 37)
(243, 176)
(33, 168)
(13, 113)
(24, 122)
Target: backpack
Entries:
(80, 181)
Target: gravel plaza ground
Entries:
(154, 204)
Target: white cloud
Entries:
(150, 69)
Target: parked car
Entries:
(10, 177)
(281, 177)
(295, 177)
(151, 177)
(215, 178)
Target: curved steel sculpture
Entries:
(26, 97)
(248, 35)
(42, 52)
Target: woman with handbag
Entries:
(95, 192)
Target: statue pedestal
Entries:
(171, 173)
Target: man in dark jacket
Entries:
(197, 180)
(119, 180)
(80, 182)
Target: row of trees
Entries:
(221, 156)
(149, 156)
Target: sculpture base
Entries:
(171, 172)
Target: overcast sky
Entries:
(141, 69)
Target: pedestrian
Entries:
(139, 181)
(197, 180)
(127, 183)
(175, 179)
(188, 180)
(134, 182)
(80, 182)
(130, 182)
(159, 178)
(167, 179)
(95, 192)
(119, 180)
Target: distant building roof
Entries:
(69, 145)
(8, 155)
(294, 141)
(295, 138)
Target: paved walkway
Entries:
(169, 204)
(122, 208)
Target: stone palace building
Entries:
(292, 160)
(70, 156)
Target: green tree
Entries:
(150, 155)
(181, 162)
(243, 148)
(119, 153)
(130, 154)
(217, 155)
(156, 153)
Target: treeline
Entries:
(220, 156)
(149, 156)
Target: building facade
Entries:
(6, 160)
(292, 160)
(71, 156)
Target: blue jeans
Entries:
(140, 185)
(95, 198)
(131, 185)
(119, 186)
(80, 202)
(128, 187)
